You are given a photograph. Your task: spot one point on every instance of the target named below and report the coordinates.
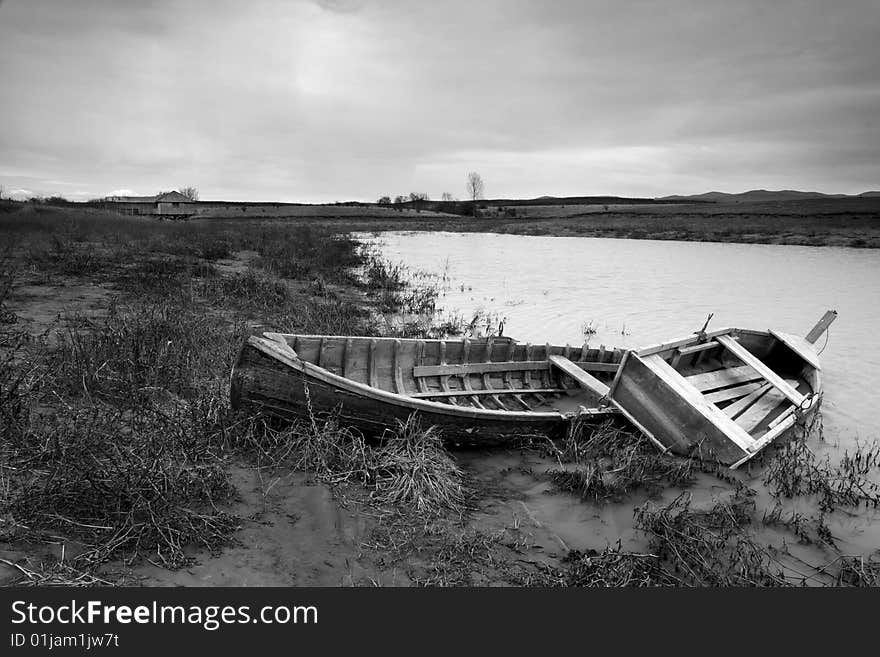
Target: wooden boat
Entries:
(725, 394)
(475, 390)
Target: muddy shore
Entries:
(111, 325)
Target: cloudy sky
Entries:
(354, 99)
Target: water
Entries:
(635, 293)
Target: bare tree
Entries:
(474, 186)
(447, 197)
(190, 192)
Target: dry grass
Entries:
(710, 547)
(611, 462)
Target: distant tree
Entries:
(190, 192)
(399, 199)
(1, 192)
(385, 200)
(474, 186)
(447, 197)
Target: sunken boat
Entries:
(723, 395)
(476, 391)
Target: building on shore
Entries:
(171, 205)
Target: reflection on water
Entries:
(639, 292)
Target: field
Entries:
(121, 461)
(851, 222)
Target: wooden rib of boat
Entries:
(475, 390)
(725, 394)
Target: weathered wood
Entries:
(420, 358)
(665, 415)
(346, 354)
(696, 348)
(722, 378)
(750, 359)
(683, 342)
(732, 393)
(752, 418)
(583, 379)
(800, 346)
(508, 383)
(821, 326)
(319, 361)
(737, 407)
(372, 378)
(399, 386)
(456, 369)
(527, 376)
(690, 394)
(487, 383)
(491, 391)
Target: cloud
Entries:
(331, 100)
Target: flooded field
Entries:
(634, 293)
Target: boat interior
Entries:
(755, 378)
(486, 373)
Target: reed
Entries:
(795, 470)
(413, 470)
(710, 547)
(611, 462)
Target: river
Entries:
(634, 293)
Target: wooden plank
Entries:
(672, 344)
(487, 383)
(585, 380)
(456, 369)
(690, 394)
(693, 349)
(676, 359)
(398, 372)
(444, 380)
(667, 415)
(346, 354)
(752, 418)
(372, 364)
(722, 378)
(545, 375)
(490, 391)
(783, 416)
(732, 393)
(766, 439)
(466, 377)
(508, 383)
(527, 375)
(821, 326)
(737, 407)
(749, 358)
(799, 346)
(420, 358)
(319, 360)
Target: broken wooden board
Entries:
(583, 379)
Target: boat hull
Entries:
(722, 396)
(267, 380)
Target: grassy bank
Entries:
(836, 222)
(118, 447)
